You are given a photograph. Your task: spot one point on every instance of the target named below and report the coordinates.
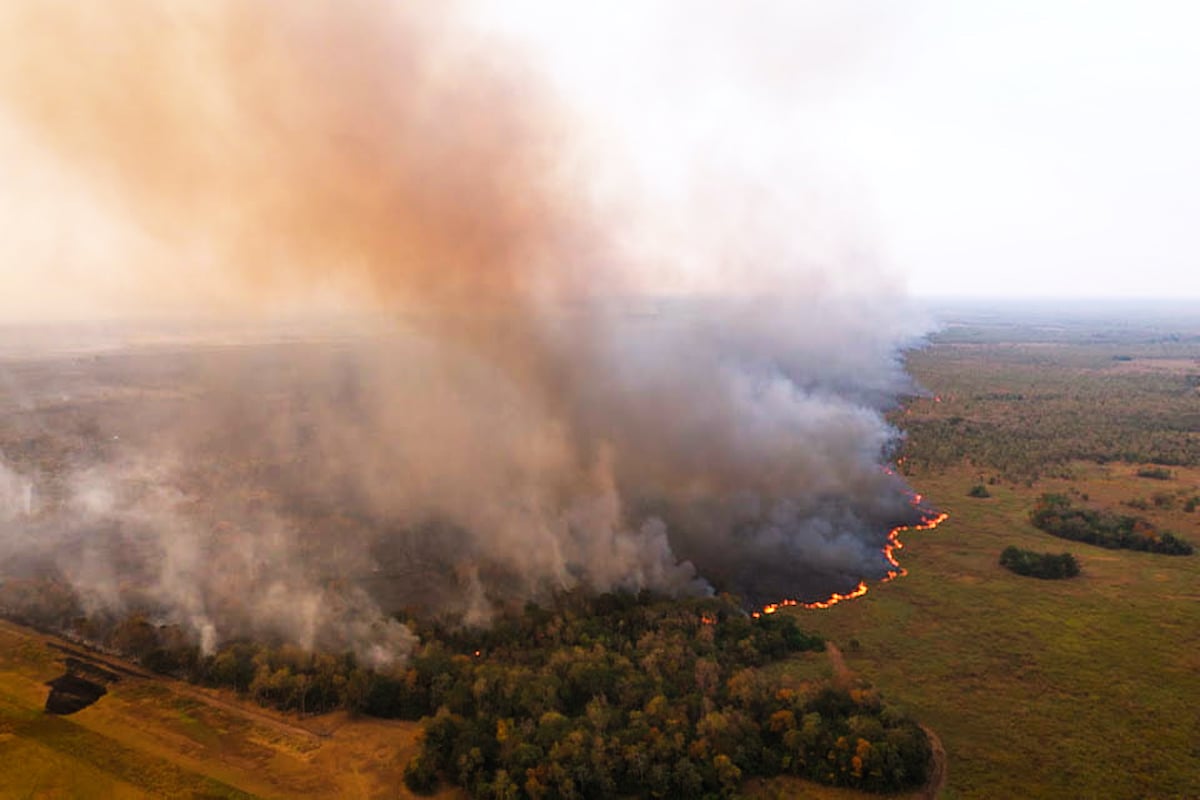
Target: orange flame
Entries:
(889, 552)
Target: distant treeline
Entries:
(1039, 565)
(1055, 514)
(607, 696)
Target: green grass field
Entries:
(1078, 688)
(1087, 687)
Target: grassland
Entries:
(1080, 688)
(1022, 408)
(153, 738)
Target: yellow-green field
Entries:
(1080, 688)
(1087, 687)
(152, 737)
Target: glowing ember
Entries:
(889, 552)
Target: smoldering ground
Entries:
(520, 404)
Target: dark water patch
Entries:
(70, 693)
(83, 683)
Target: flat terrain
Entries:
(1086, 687)
(153, 737)
(1080, 688)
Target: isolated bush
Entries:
(1155, 473)
(979, 490)
(1039, 565)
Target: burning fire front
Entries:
(929, 521)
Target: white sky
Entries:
(1029, 147)
(969, 148)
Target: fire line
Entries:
(889, 552)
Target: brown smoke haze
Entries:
(508, 404)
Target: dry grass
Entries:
(1078, 688)
(158, 738)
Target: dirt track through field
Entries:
(841, 673)
(937, 770)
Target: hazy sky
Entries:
(1025, 147)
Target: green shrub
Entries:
(1055, 515)
(419, 776)
(1039, 565)
(1155, 473)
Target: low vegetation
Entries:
(1155, 473)
(1057, 515)
(1026, 405)
(1100, 667)
(1039, 565)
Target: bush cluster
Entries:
(1055, 514)
(1155, 473)
(1039, 565)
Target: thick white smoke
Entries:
(526, 399)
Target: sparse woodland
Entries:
(1026, 410)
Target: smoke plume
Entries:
(534, 380)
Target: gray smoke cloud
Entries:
(512, 401)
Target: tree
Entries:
(419, 775)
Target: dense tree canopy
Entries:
(622, 696)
